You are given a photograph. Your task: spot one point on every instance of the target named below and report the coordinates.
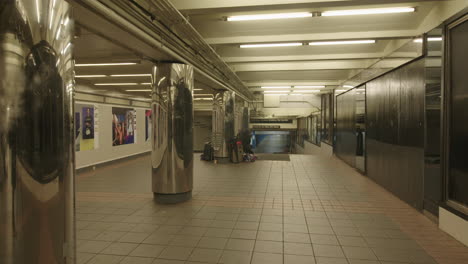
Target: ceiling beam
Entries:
(303, 57)
(313, 37)
(440, 13)
(209, 4)
(308, 65)
(291, 83)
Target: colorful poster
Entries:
(148, 124)
(88, 122)
(77, 131)
(86, 127)
(123, 126)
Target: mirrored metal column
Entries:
(223, 122)
(36, 133)
(172, 144)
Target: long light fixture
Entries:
(104, 64)
(275, 91)
(276, 94)
(91, 76)
(308, 86)
(309, 91)
(348, 86)
(276, 87)
(132, 75)
(116, 84)
(419, 40)
(139, 90)
(370, 11)
(342, 42)
(271, 45)
(269, 16)
(295, 94)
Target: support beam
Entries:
(313, 37)
(309, 65)
(210, 4)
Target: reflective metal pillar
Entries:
(223, 122)
(172, 144)
(36, 133)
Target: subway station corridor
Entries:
(309, 210)
(233, 131)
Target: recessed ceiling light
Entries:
(309, 86)
(275, 91)
(90, 76)
(115, 84)
(132, 75)
(269, 16)
(276, 87)
(139, 90)
(370, 11)
(271, 45)
(104, 64)
(342, 42)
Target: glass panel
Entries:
(458, 143)
(433, 71)
(360, 127)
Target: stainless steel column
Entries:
(223, 122)
(172, 144)
(36, 133)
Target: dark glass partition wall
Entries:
(432, 172)
(346, 142)
(327, 118)
(455, 121)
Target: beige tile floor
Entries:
(307, 210)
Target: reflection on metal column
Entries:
(36, 133)
(223, 122)
(172, 144)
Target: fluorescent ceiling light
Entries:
(370, 11)
(139, 90)
(275, 91)
(308, 86)
(269, 16)
(105, 64)
(295, 94)
(276, 87)
(339, 91)
(90, 76)
(269, 45)
(419, 40)
(348, 86)
(145, 83)
(132, 75)
(276, 94)
(342, 42)
(309, 91)
(115, 84)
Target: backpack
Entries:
(208, 152)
